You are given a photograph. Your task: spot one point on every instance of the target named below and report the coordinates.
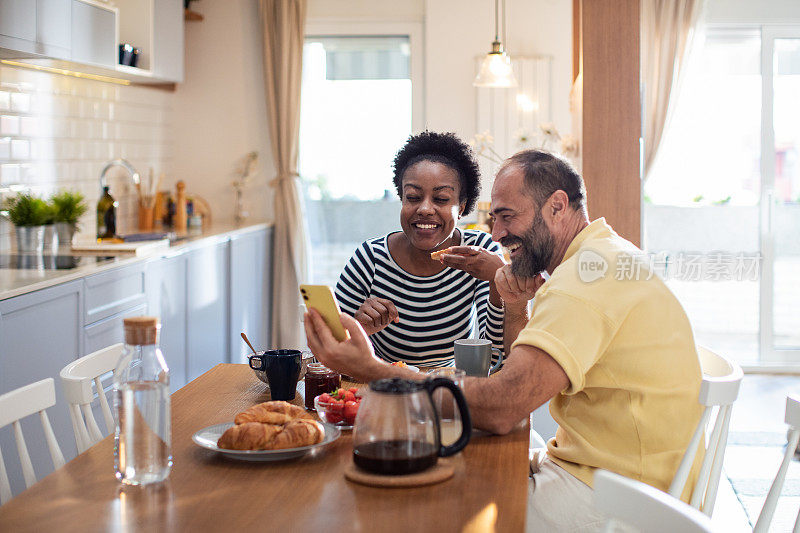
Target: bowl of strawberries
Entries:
(338, 408)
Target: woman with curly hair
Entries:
(413, 306)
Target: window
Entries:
(724, 193)
(357, 107)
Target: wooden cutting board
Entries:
(136, 248)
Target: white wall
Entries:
(457, 31)
(753, 12)
(220, 110)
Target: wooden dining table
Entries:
(207, 491)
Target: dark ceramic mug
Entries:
(282, 368)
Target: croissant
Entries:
(257, 436)
(249, 436)
(272, 413)
(302, 432)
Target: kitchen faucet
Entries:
(118, 163)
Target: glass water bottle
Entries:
(142, 452)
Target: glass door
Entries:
(780, 173)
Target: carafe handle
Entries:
(463, 409)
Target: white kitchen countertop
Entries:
(15, 282)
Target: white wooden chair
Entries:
(77, 378)
(16, 405)
(793, 420)
(643, 507)
(720, 388)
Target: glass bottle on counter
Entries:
(319, 379)
(142, 451)
(106, 216)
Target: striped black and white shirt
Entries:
(434, 310)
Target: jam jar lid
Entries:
(319, 368)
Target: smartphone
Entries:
(320, 297)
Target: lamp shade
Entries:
(495, 71)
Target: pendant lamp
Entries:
(496, 68)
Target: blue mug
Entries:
(282, 368)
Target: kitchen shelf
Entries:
(193, 16)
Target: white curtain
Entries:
(283, 23)
(668, 28)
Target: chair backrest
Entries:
(77, 378)
(644, 507)
(16, 405)
(793, 420)
(719, 389)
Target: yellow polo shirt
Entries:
(627, 347)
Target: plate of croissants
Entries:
(269, 431)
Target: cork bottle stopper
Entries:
(141, 330)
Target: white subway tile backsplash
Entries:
(9, 174)
(57, 132)
(28, 126)
(9, 125)
(20, 149)
(20, 102)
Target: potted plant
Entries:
(69, 207)
(28, 214)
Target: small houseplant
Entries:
(28, 214)
(69, 208)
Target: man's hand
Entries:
(375, 314)
(476, 261)
(516, 291)
(353, 356)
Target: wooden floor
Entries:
(757, 417)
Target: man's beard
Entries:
(536, 251)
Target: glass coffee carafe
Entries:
(397, 429)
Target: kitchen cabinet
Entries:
(207, 326)
(83, 36)
(94, 34)
(18, 25)
(251, 291)
(155, 27)
(168, 40)
(54, 28)
(36, 28)
(165, 282)
(113, 291)
(40, 333)
(204, 293)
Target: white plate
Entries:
(207, 438)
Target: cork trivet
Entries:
(441, 472)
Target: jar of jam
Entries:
(320, 379)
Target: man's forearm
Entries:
(515, 318)
(529, 379)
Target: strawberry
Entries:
(325, 397)
(353, 390)
(349, 396)
(350, 412)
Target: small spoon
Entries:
(248, 342)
